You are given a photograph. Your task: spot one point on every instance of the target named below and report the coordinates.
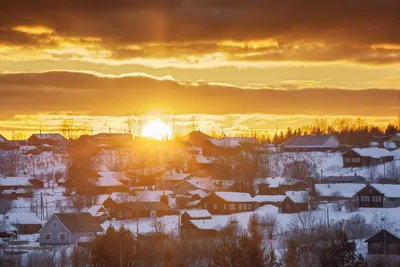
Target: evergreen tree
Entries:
(271, 258)
(360, 261)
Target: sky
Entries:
(234, 64)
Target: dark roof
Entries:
(381, 235)
(156, 206)
(2, 139)
(196, 137)
(79, 222)
(344, 179)
(49, 136)
(310, 141)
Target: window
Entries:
(120, 214)
(54, 224)
(215, 206)
(347, 160)
(240, 206)
(47, 236)
(232, 206)
(249, 207)
(364, 198)
(205, 205)
(376, 198)
(129, 214)
(356, 160)
(287, 206)
(61, 236)
(113, 210)
(245, 207)
(224, 206)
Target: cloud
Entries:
(288, 30)
(92, 94)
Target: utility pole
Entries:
(41, 206)
(327, 216)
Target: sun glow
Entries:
(158, 130)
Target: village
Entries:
(60, 193)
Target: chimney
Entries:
(355, 174)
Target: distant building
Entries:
(14, 183)
(362, 157)
(221, 147)
(396, 139)
(3, 142)
(194, 224)
(52, 139)
(336, 191)
(112, 140)
(185, 186)
(228, 202)
(383, 243)
(26, 223)
(379, 196)
(195, 138)
(312, 143)
(279, 186)
(200, 164)
(169, 180)
(295, 201)
(345, 179)
(67, 228)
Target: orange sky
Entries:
(287, 58)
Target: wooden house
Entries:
(336, 191)
(26, 223)
(192, 184)
(379, 196)
(14, 183)
(275, 200)
(383, 243)
(36, 183)
(195, 138)
(200, 164)
(312, 143)
(345, 179)
(361, 157)
(168, 181)
(295, 201)
(221, 147)
(52, 139)
(279, 186)
(67, 228)
(228, 202)
(194, 224)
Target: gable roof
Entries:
(224, 142)
(196, 137)
(200, 183)
(175, 177)
(344, 179)
(342, 189)
(389, 190)
(199, 192)
(2, 139)
(313, 141)
(15, 181)
(383, 232)
(49, 136)
(79, 222)
(198, 214)
(373, 152)
(234, 196)
(269, 198)
(297, 196)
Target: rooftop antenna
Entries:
(40, 129)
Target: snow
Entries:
(15, 181)
(204, 160)
(269, 198)
(209, 224)
(107, 181)
(51, 136)
(199, 192)
(346, 189)
(201, 183)
(225, 142)
(235, 196)
(23, 218)
(108, 175)
(198, 214)
(373, 152)
(389, 190)
(153, 196)
(6, 226)
(175, 177)
(8, 192)
(274, 182)
(389, 145)
(94, 210)
(298, 196)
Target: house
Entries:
(195, 138)
(226, 146)
(279, 186)
(192, 184)
(98, 211)
(36, 182)
(52, 139)
(10, 194)
(383, 243)
(396, 139)
(120, 177)
(107, 184)
(312, 143)
(10, 145)
(337, 191)
(7, 230)
(119, 208)
(360, 157)
(200, 163)
(390, 145)
(228, 202)
(67, 228)
(14, 183)
(295, 201)
(379, 196)
(193, 222)
(168, 181)
(345, 179)
(26, 223)
(3, 142)
(112, 140)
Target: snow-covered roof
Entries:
(23, 218)
(6, 226)
(389, 190)
(107, 181)
(21, 191)
(201, 183)
(175, 177)
(235, 196)
(193, 203)
(49, 136)
(209, 224)
(224, 183)
(274, 182)
(373, 152)
(113, 175)
(15, 181)
(340, 189)
(225, 142)
(8, 192)
(389, 145)
(96, 209)
(101, 198)
(199, 192)
(328, 141)
(269, 198)
(198, 214)
(2, 139)
(141, 196)
(204, 160)
(297, 196)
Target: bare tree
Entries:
(80, 256)
(135, 123)
(269, 224)
(10, 162)
(338, 202)
(42, 258)
(158, 225)
(5, 206)
(68, 128)
(382, 220)
(392, 170)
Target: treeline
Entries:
(349, 131)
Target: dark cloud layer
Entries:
(100, 95)
(346, 27)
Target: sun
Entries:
(158, 130)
